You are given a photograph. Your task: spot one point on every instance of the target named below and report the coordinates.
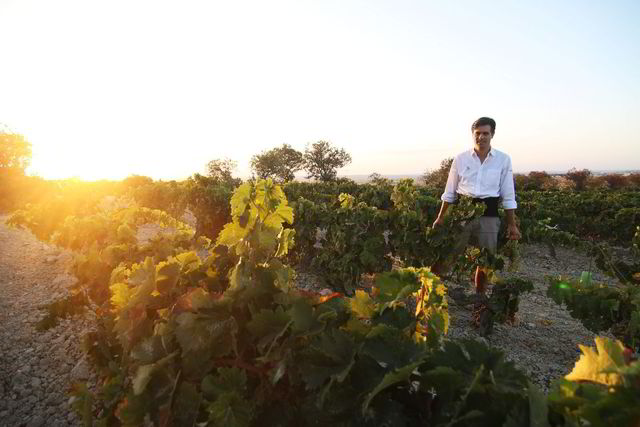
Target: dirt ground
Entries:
(544, 339)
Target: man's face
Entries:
(482, 138)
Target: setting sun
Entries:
(64, 163)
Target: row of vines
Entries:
(205, 326)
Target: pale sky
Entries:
(158, 88)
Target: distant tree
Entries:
(222, 170)
(321, 160)
(538, 180)
(377, 179)
(597, 183)
(134, 181)
(553, 183)
(437, 179)
(15, 156)
(562, 183)
(616, 181)
(520, 181)
(634, 179)
(15, 153)
(280, 163)
(579, 177)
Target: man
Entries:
(484, 174)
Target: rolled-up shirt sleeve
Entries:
(449, 194)
(507, 190)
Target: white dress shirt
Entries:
(491, 178)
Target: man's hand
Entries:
(438, 221)
(443, 210)
(512, 229)
(512, 232)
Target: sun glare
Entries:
(80, 165)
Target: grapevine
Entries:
(194, 332)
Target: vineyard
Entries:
(204, 321)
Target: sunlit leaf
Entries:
(189, 261)
(283, 213)
(285, 241)
(120, 295)
(362, 304)
(240, 199)
(594, 362)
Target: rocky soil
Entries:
(544, 339)
(36, 368)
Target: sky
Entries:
(159, 88)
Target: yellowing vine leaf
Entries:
(282, 213)
(597, 365)
(189, 260)
(362, 304)
(120, 295)
(240, 199)
(285, 241)
(167, 275)
(231, 234)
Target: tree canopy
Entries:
(280, 163)
(322, 160)
(579, 177)
(437, 179)
(15, 152)
(222, 170)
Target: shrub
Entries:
(616, 181)
(437, 178)
(597, 183)
(633, 180)
(579, 178)
(537, 180)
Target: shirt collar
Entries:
(491, 153)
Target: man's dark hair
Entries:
(483, 121)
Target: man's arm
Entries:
(443, 209)
(508, 195)
(449, 196)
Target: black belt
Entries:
(491, 204)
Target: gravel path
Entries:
(544, 340)
(37, 368)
